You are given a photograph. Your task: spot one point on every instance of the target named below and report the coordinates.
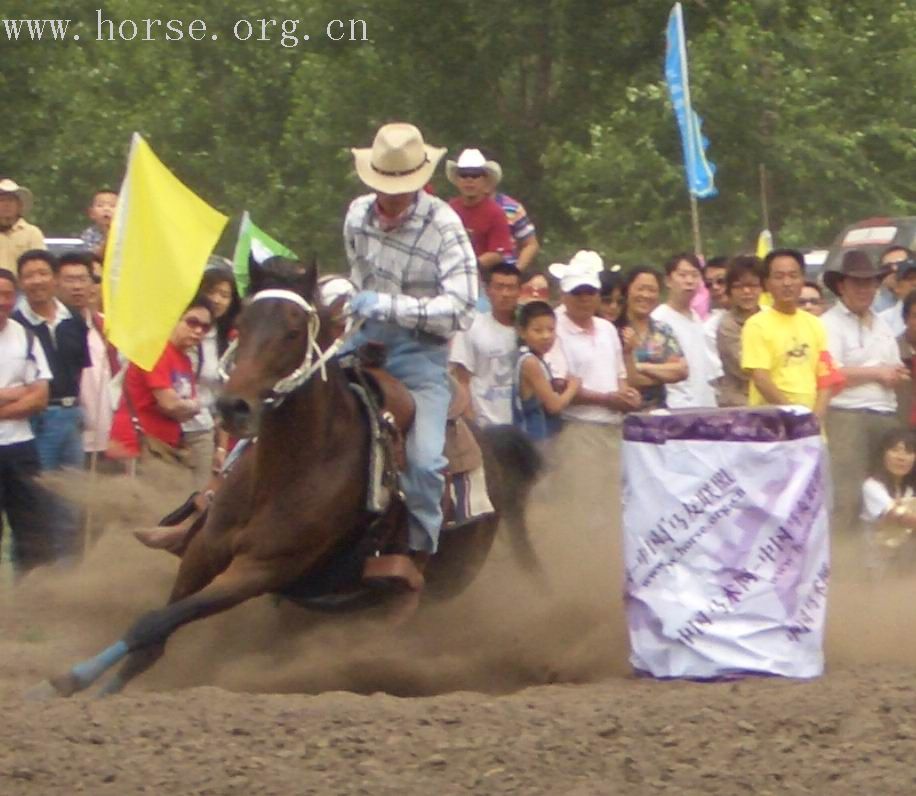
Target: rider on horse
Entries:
(414, 267)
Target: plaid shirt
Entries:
(424, 271)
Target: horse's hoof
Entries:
(43, 692)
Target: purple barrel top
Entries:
(742, 424)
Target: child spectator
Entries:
(536, 404)
(101, 212)
(887, 507)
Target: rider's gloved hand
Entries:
(370, 305)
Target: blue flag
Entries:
(700, 172)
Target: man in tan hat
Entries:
(416, 274)
(16, 234)
(865, 349)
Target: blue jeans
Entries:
(25, 503)
(59, 437)
(421, 364)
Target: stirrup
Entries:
(393, 571)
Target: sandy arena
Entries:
(521, 686)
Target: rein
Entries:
(314, 360)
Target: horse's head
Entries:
(282, 333)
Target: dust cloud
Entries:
(508, 631)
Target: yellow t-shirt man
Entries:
(791, 348)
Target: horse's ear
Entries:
(309, 283)
(255, 275)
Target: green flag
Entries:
(255, 242)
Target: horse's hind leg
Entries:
(137, 662)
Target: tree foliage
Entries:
(569, 93)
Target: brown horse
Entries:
(293, 509)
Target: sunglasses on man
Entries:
(470, 174)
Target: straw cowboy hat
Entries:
(473, 159)
(583, 270)
(399, 161)
(23, 194)
(856, 265)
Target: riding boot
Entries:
(393, 566)
(175, 538)
(404, 606)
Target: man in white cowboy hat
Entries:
(416, 274)
(484, 220)
(865, 350)
(588, 446)
(17, 235)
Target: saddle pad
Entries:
(461, 449)
(467, 498)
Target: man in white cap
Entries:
(416, 274)
(483, 218)
(17, 235)
(588, 447)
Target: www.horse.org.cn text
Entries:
(288, 33)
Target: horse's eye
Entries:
(290, 336)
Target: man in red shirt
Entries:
(483, 218)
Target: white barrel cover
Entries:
(725, 542)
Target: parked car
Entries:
(873, 236)
(814, 263)
(58, 246)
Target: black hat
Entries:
(856, 265)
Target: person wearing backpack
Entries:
(24, 379)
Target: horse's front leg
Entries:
(241, 581)
(199, 566)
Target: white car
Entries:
(57, 246)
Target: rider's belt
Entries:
(68, 401)
(427, 337)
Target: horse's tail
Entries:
(519, 464)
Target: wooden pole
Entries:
(695, 223)
(764, 199)
(692, 142)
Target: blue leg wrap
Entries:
(87, 672)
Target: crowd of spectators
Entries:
(68, 400)
(560, 356)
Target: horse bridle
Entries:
(314, 360)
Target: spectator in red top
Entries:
(158, 401)
(483, 218)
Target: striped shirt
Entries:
(425, 270)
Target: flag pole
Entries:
(764, 201)
(691, 139)
(695, 223)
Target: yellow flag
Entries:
(161, 236)
(764, 243)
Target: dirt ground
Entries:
(520, 686)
